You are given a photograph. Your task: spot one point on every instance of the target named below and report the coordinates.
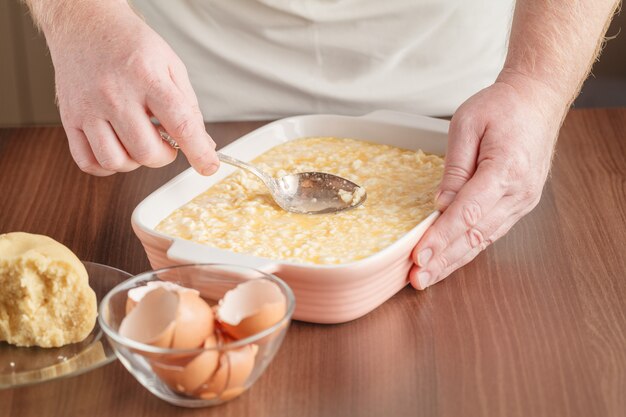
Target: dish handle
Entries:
(407, 119)
(186, 251)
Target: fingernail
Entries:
(424, 279)
(209, 169)
(444, 199)
(424, 256)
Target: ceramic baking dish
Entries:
(324, 293)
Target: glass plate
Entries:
(30, 365)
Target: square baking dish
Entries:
(324, 293)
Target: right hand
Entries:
(112, 73)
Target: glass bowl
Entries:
(164, 371)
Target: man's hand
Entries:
(501, 140)
(500, 146)
(113, 72)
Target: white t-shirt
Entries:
(265, 59)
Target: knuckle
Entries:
(185, 128)
(528, 195)
(118, 108)
(178, 66)
(440, 239)
(535, 201)
(149, 159)
(492, 165)
(103, 83)
(140, 65)
(103, 148)
(85, 165)
(107, 91)
(157, 163)
(498, 173)
(152, 157)
(88, 167)
(143, 67)
(500, 232)
(111, 163)
(456, 172)
(471, 213)
(144, 154)
(445, 274)
(529, 204)
(69, 117)
(165, 158)
(444, 262)
(155, 86)
(476, 239)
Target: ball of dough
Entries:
(45, 298)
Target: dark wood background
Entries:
(535, 326)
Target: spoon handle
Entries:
(268, 180)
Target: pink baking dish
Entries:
(324, 293)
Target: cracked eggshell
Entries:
(250, 308)
(184, 375)
(170, 319)
(194, 322)
(135, 295)
(229, 379)
(153, 320)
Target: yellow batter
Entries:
(238, 214)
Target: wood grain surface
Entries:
(535, 326)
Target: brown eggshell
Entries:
(130, 304)
(168, 373)
(234, 369)
(264, 318)
(135, 295)
(194, 322)
(153, 320)
(250, 308)
(229, 394)
(186, 376)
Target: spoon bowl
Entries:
(304, 192)
(307, 192)
(318, 193)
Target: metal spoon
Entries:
(305, 192)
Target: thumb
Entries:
(464, 137)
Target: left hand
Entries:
(500, 148)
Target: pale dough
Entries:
(45, 298)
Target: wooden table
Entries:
(535, 326)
